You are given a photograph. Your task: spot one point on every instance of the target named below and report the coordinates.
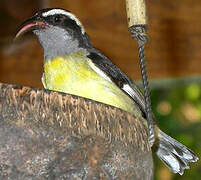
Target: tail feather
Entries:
(174, 154)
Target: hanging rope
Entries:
(136, 11)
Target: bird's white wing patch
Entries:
(63, 12)
(128, 89)
(43, 81)
(98, 71)
(134, 94)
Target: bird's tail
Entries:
(174, 154)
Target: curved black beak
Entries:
(31, 24)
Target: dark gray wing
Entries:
(117, 76)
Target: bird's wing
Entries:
(105, 68)
(43, 81)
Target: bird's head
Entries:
(58, 31)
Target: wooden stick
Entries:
(136, 12)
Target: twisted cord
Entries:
(139, 34)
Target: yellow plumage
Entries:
(74, 75)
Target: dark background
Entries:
(173, 58)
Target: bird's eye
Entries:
(57, 19)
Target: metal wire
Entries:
(139, 34)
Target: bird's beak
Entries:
(31, 24)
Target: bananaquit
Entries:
(72, 65)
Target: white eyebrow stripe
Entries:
(63, 12)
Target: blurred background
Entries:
(173, 58)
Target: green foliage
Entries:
(178, 111)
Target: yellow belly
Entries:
(74, 76)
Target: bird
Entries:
(73, 65)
